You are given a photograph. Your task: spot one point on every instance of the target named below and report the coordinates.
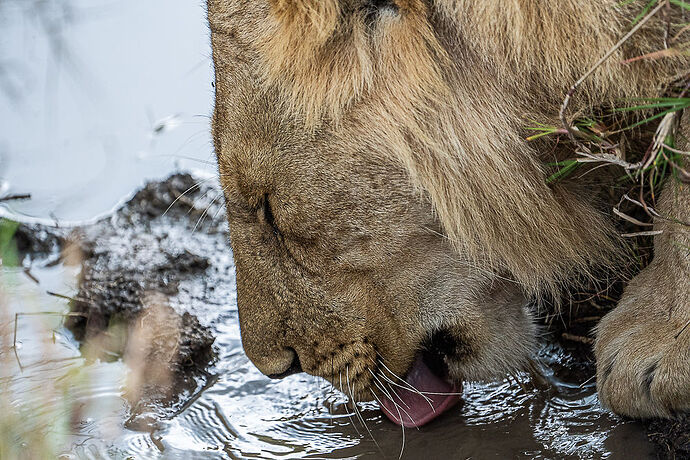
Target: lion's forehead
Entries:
(326, 55)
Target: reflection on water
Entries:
(98, 94)
(49, 396)
(80, 408)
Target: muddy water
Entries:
(96, 97)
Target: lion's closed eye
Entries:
(266, 214)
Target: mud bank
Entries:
(157, 290)
(144, 274)
(144, 271)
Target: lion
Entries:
(391, 226)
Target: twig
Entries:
(578, 83)
(630, 219)
(19, 196)
(578, 338)
(649, 233)
(650, 210)
(679, 152)
(39, 313)
(680, 32)
(607, 158)
(14, 340)
(586, 319)
(27, 272)
(66, 297)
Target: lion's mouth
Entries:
(433, 396)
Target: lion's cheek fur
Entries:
(481, 329)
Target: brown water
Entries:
(82, 128)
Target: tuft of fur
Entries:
(453, 109)
(325, 57)
(547, 46)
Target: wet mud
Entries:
(672, 438)
(132, 271)
(156, 290)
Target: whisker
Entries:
(386, 393)
(381, 361)
(332, 392)
(398, 406)
(402, 447)
(194, 208)
(361, 417)
(352, 422)
(206, 211)
(189, 140)
(411, 389)
(220, 209)
(352, 398)
(183, 157)
(198, 184)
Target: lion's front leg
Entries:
(643, 346)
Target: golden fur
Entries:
(413, 113)
(325, 58)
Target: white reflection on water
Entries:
(98, 95)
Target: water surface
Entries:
(96, 96)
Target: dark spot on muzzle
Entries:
(444, 346)
(440, 345)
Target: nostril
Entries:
(294, 368)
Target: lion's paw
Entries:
(643, 351)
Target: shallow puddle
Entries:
(77, 406)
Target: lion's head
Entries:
(386, 215)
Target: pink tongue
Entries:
(412, 410)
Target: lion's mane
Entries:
(454, 109)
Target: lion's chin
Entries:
(413, 409)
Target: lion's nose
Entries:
(290, 365)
